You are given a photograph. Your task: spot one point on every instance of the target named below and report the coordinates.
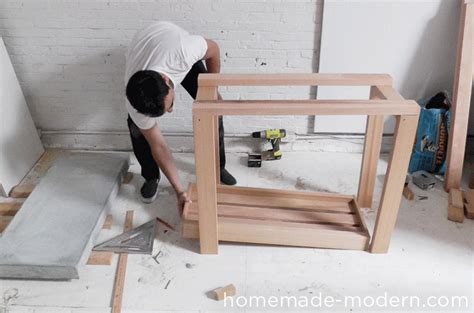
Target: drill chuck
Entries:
(270, 134)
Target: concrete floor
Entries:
(429, 255)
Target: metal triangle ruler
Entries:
(138, 240)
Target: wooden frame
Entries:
(461, 98)
(295, 217)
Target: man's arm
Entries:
(163, 157)
(212, 57)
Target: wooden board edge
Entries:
(119, 283)
(10, 208)
(22, 191)
(305, 107)
(295, 79)
(4, 222)
(109, 220)
(233, 230)
(270, 214)
(127, 178)
(283, 193)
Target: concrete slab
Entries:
(53, 233)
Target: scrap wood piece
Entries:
(22, 191)
(42, 166)
(407, 193)
(121, 269)
(4, 221)
(108, 222)
(455, 206)
(47, 160)
(127, 178)
(222, 292)
(102, 257)
(469, 203)
(9, 208)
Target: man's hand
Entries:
(182, 199)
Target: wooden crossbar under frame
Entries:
(229, 213)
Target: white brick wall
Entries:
(69, 55)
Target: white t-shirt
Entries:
(165, 48)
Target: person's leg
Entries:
(141, 148)
(150, 170)
(221, 143)
(190, 83)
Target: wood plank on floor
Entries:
(119, 283)
(102, 257)
(4, 221)
(109, 220)
(10, 208)
(22, 191)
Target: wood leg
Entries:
(205, 146)
(461, 100)
(394, 181)
(210, 93)
(372, 146)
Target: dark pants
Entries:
(141, 148)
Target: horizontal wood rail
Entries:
(306, 107)
(208, 80)
(388, 93)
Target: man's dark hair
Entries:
(146, 92)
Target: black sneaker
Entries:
(149, 190)
(227, 178)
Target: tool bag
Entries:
(431, 144)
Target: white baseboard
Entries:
(120, 141)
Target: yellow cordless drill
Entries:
(274, 136)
